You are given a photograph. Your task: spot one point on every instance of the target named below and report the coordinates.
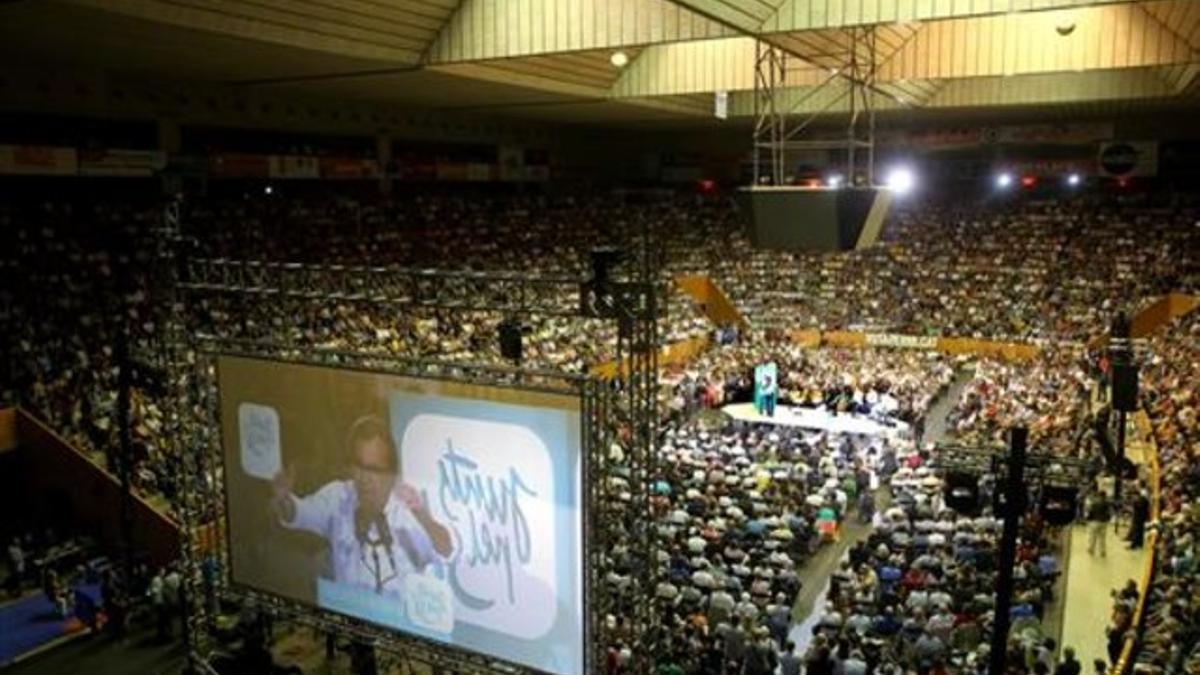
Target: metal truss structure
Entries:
(851, 79)
(619, 424)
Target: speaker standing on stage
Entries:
(378, 527)
(770, 392)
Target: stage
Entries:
(817, 419)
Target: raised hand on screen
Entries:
(410, 496)
(281, 495)
(437, 532)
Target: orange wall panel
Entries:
(93, 495)
(8, 429)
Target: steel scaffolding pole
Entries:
(852, 80)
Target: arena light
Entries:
(1074, 180)
(834, 180)
(619, 59)
(268, 190)
(1004, 180)
(1028, 181)
(901, 180)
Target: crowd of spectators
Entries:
(73, 300)
(1053, 271)
(741, 505)
(917, 594)
(742, 508)
(1048, 395)
(1171, 640)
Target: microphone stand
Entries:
(383, 539)
(378, 571)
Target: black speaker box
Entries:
(510, 340)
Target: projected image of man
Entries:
(770, 394)
(378, 527)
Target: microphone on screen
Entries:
(385, 538)
(363, 520)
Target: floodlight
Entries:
(901, 180)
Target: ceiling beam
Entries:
(798, 15)
(780, 43)
(494, 29)
(997, 92)
(575, 92)
(745, 16)
(703, 66)
(1056, 88)
(1106, 37)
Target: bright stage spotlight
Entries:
(834, 180)
(901, 180)
(1074, 180)
(1004, 180)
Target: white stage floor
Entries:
(815, 418)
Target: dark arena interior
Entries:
(629, 337)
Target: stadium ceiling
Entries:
(551, 59)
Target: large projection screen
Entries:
(443, 510)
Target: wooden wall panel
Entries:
(528, 27)
(1104, 37)
(795, 15)
(1050, 88)
(305, 24)
(8, 429)
(57, 468)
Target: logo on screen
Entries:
(492, 484)
(258, 429)
(430, 603)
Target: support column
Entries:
(1014, 505)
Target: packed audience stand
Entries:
(741, 505)
(1170, 642)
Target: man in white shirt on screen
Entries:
(378, 527)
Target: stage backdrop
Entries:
(498, 470)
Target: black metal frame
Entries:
(621, 411)
(1012, 464)
(856, 65)
(430, 651)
